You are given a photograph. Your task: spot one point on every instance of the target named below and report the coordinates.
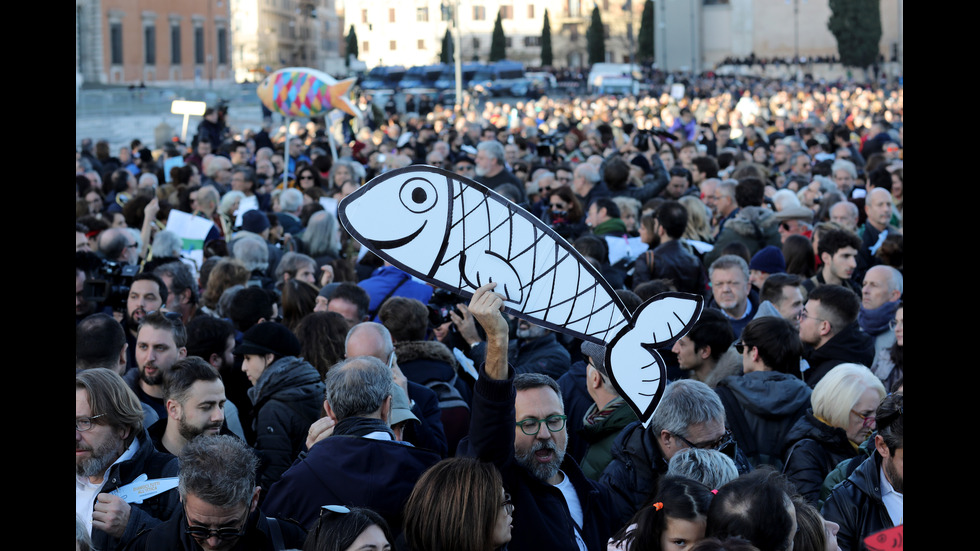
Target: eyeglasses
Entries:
(725, 444)
(204, 533)
(507, 505)
(805, 315)
(306, 177)
(83, 424)
(531, 426)
(558, 206)
(867, 421)
(740, 346)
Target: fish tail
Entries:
(635, 367)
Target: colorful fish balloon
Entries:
(305, 92)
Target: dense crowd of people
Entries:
(265, 382)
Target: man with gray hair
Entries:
(588, 185)
(690, 415)
(491, 169)
(881, 294)
(296, 266)
(845, 174)
(220, 498)
(367, 466)
(731, 292)
(373, 339)
(845, 213)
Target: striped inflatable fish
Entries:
(457, 234)
(305, 92)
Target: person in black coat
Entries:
(832, 429)
(220, 500)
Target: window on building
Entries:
(421, 44)
(364, 18)
(175, 43)
(150, 45)
(531, 41)
(391, 15)
(365, 47)
(479, 13)
(222, 46)
(571, 29)
(199, 45)
(116, 43)
(573, 8)
(605, 31)
(507, 42)
(506, 12)
(422, 14)
(392, 45)
(530, 11)
(476, 43)
(447, 12)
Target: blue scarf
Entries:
(875, 322)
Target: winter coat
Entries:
(170, 535)
(770, 403)
(756, 227)
(856, 505)
(601, 435)
(353, 471)
(152, 511)
(287, 399)
(852, 345)
(813, 449)
(541, 517)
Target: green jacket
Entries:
(600, 436)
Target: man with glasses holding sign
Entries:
(555, 505)
(219, 503)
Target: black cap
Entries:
(268, 338)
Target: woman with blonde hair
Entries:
(698, 220)
(840, 419)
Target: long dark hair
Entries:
(336, 531)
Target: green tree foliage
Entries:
(596, 38)
(547, 58)
(644, 42)
(351, 44)
(498, 43)
(447, 55)
(856, 24)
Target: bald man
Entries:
(373, 339)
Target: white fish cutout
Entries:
(458, 234)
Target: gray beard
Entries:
(543, 472)
(101, 459)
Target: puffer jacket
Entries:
(287, 399)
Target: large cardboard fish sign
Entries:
(457, 234)
(305, 92)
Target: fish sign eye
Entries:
(418, 195)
